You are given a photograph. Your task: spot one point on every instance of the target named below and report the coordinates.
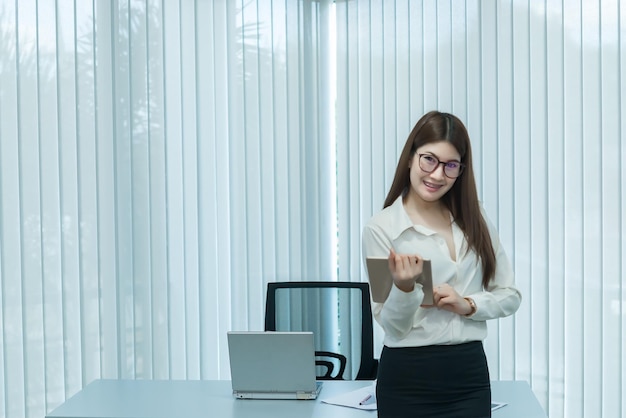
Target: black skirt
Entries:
(434, 381)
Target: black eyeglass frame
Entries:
(439, 162)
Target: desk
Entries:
(213, 398)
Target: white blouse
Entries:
(405, 323)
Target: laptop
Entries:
(272, 365)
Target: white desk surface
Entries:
(213, 398)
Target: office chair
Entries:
(340, 316)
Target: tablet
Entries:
(381, 281)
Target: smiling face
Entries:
(430, 187)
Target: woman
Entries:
(433, 363)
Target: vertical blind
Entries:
(160, 162)
(540, 87)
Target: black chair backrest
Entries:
(368, 365)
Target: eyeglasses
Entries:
(429, 163)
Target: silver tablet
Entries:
(381, 281)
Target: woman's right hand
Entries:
(404, 269)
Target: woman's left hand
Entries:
(445, 297)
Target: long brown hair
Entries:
(462, 199)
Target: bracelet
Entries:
(472, 305)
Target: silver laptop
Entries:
(272, 365)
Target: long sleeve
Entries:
(501, 298)
(397, 314)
